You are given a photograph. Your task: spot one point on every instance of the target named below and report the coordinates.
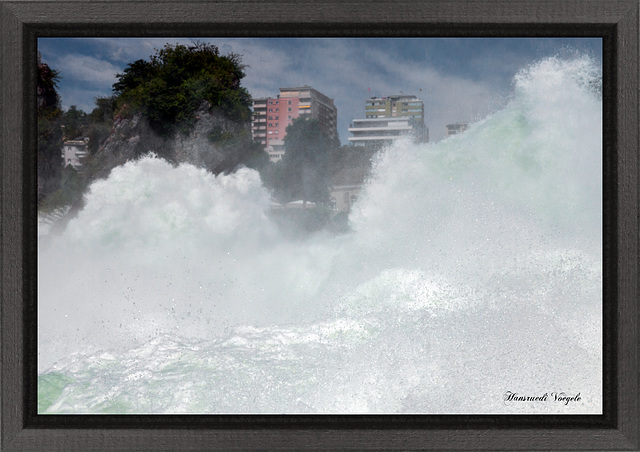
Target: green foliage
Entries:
(135, 74)
(168, 90)
(97, 134)
(104, 110)
(272, 176)
(351, 157)
(70, 190)
(100, 122)
(57, 185)
(75, 123)
(239, 149)
(48, 98)
(49, 132)
(220, 137)
(303, 173)
(48, 155)
(174, 83)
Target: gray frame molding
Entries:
(22, 21)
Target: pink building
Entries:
(272, 116)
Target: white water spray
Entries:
(474, 268)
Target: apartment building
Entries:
(272, 116)
(389, 118)
(74, 153)
(395, 106)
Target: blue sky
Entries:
(459, 79)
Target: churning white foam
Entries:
(473, 268)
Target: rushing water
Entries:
(473, 268)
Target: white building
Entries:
(276, 150)
(74, 152)
(389, 118)
(379, 131)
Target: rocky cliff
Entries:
(214, 143)
(132, 137)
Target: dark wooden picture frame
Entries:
(617, 22)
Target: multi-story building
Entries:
(395, 106)
(74, 153)
(378, 131)
(272, 116)
(259, 121)
(458, 127)
(389, 118)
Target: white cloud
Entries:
(343, 69)
(127, 50)
(83, 99)
(347, 71)
(87, 69)
(266, 65)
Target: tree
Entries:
(48, 98)
(304, 172)
(75, 123)
(104, 109)
(238, 149)
(49, 164)
(174, 83)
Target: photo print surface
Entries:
(320, 226)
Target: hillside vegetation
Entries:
(185, 104)
(170, 87)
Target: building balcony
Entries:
(377, 139)
(380, 129)
(378, 136)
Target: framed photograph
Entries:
(320, 225)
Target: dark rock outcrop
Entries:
(132, 137)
